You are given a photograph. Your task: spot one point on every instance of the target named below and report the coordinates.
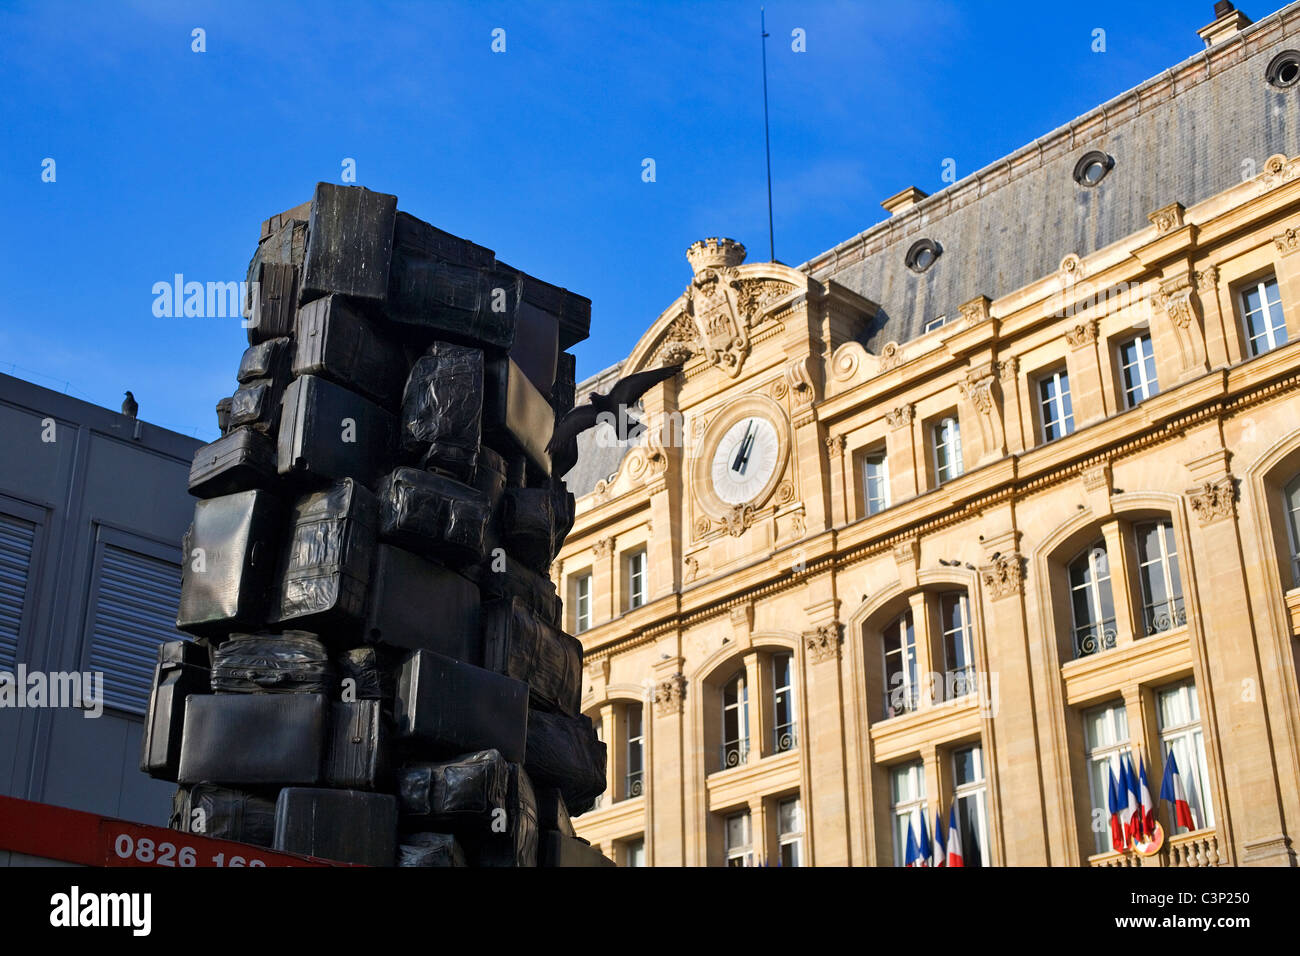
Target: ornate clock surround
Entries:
(701, 468)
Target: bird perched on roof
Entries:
(625, 394)
(129, 406)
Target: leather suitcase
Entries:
(571, 311)
(269, 359)
(327, 432)
(432, 515)
(293, 662)
(463, 792)
(552, 814)
(256, 405)
(358, 746)
(348, 826)
(564, 752)
(181, 670)
(446, 287)
(223, 414)
(275, 223)
(253, 739)
(490, 481)
(366, 673)
(335, 342)
(238, 461)
(349, 243)
(528, 526)
(536, 591)
(455, 708)
(272, 293)
(516, 416)
(442, 409)
(325, 569)
(516, 643)
(518, 846)
(224, 814)
(422, 605)
(430, 849)
(564, 392)
(563, 511)
(229, 562)
(536, 345)
(556, 849)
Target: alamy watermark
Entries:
(24, 688)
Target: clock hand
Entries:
(742, 453)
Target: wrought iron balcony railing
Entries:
(784, 738)
(734, 753)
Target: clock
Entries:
(744, 460)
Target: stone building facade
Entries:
(948, 520)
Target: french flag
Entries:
(913, 853)
(954, 840)
(937, 857)
(1127, 794)
(1116, 811)
(1146, 806)
(923, 849)
(1171, 789)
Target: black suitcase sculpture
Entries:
(379, 674)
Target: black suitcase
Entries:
(181, 670)
(556, 849)
(571, 311)
(516, 416)
(326, 566)
(366, 673)
(552, 814)
(256, 405)
(229, 562)
(224, 814)
(348, 826)
(269, 359)
(274, 224)
(563, 511)
(430, 849)
(447, 287)
(422, 605)
(517, 846)
(528, 526)
(463, 792)
(357, 757)
(349, 243)
(516, 580)
(433, 515)
(536, 345)
(272, 294)
(564, 752)
(516, 643)
(235, 462)
(456, 708)
(329, 432)
(223, 414)
(293, 662)
(253, 739)
(335, 342)
(442, 408)
(490, 481)
(564, 392)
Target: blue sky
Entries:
(167, 160)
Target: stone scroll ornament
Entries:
(378, 671)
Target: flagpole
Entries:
(767, 142)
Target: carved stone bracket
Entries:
(1288, 242)
(738, 519)
(690, 568)
(1167, 218)
(1004, 576)
(670, 695)
(1008, 368)
(1085, 333)
(1213, 500)
(891, 356)
(1179, 299)
(900, 417)
(799, 378)
(977, 388)
(603, 547)
(976, 310)
(835, 445)
(823, 643)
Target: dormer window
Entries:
(1284, 70)
(923, 254)
(1092, 168)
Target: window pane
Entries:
(788, 817)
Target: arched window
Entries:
(1091, 602)
(1293, 527)
(1162, 586)
(735, 721)
(900, 666)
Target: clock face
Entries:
(744, 460)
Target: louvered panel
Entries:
(135, 611)
(17, 538)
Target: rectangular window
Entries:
(735, 722)
(1162, 588)
(783, 731)
(972, 808)
(907, 790)
(936, 323)
(789, 824)
(1091, 602)
(1261, 306)
(636, 579)
(900, 666)
(1105, 733)
(1180, 734)
(1293, 528)
(1054, 405)
(739, 848)
(947, 450)
(634, 732)
(582, 603)
(634, 852)
(875, 482)
(1137, 362)
(954, 612)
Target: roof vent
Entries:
(908, 198)
(1228, 22)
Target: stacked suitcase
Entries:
(379, 672)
